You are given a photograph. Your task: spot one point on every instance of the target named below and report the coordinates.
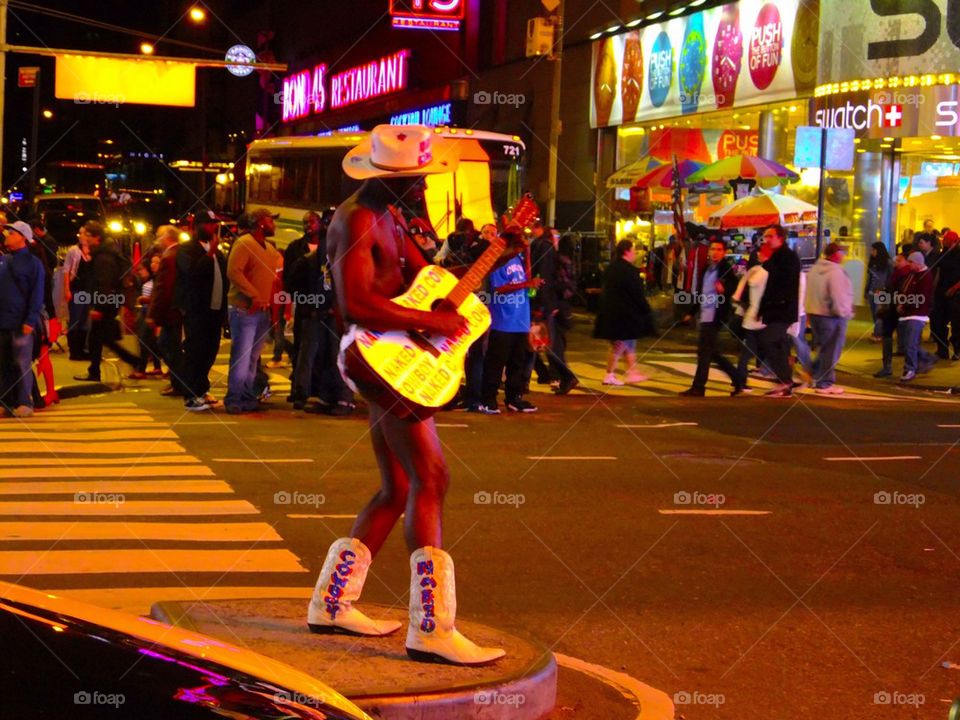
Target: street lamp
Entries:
(197, 14)
(146, 48)
(48, 114)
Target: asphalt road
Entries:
(752, 558)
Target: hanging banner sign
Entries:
(904, 112)
(754, 51)
(108, 81)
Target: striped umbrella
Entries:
(767, 173)
(663, 176)
(761, 208)
(627, 175)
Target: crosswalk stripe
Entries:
(127, 487)
(138, 601)
(87, 425)
(91, 435)
(129, 461)
(72, 562)
(111, 471)
(91, 413)
(116, 448)
(114, 530)
(103, 405)
(132, 507)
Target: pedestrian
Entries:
(163, 312)
(566, 289)
(146, 335)
(201, 293)
(779, 308)
(508, 341)
(461, 247)
(946, 304)
(878, 274)
(110, 276)
(747, 298)
(251, 269)
(21, 302)
(830, 307)
(887, 311)
(718, 286)
(544, 264)
(623, 314)
(695, 264)
(313, 227)
(75, 263)
(913, 300)
(43, 246)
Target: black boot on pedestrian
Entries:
(87, 378)
(566, 385)
(692, 392)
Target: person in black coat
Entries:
(201, 293)
(314, 232)
(714, 303)
(624, 314)
(779, 308)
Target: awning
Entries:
(629, 174)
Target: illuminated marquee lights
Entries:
(896, 82)
(427, 14)
(307, 92)
(430, 116)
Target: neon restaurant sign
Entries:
(312, 92)
(427, 14)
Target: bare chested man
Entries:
(373, 260)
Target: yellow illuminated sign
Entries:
(108, 81)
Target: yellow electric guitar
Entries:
(422, 372)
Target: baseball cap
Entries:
(833, 248)
(917, 259)
(21, 227)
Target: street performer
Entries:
(374, 259)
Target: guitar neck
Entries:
(477, 272)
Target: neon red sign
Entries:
(307, 92)
(427, 14)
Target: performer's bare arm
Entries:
(367, 281)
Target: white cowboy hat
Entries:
(401, 151)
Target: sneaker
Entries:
(320, 407)
(137, 375)
(566, 386)
(611, 379)
(883, 372)
(87, 378)
(521, 406)
(829, 390)
(473, 407)
(634, 378)
(210, 399)
(23, 411)
(342, 409)
(265, 394)
(169, 391)
(907, 376)
(692, 392)
(196, 405)
(784, 391)
(488, 409)
(738, 391)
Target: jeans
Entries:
(248, 333)
(829, 334)
(708, 352)
(16, 369)
(915, 358)
(315, 372)
(801, 346)
(877, 320)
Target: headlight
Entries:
(140, 228)
(115, 226)
(184, 237)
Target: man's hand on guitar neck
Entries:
(535, 283)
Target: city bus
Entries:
(293, 174)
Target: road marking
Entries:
(263, 460)
(133, 507)
(127, 487)
(88, 472)
(454, 425)
(115, 448)
(205, 422)
(92, 435)
(95, 530)
(86, 424)
(571, 457)
(72, 562)
(661, 425)
(138, 601)
(132, 461)
(318, 517)
(100, 406)
(714, 512)
(876, 458)
(655, 704)
(948, 426)
(91, 413)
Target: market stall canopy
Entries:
(663, 175)
(762, 208)
(628, 174)
(766, 173)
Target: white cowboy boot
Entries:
(431, 636)
(338, 587)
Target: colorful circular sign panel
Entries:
(727, 56)
(631, 87)
(766, 46)
(660, 69)
(693, 64)
(242, 56)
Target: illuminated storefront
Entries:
(729, 80)
(893, 77)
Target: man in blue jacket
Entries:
(21, 298)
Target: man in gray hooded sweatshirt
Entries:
(829, 306)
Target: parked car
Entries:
(67, 659)
(64, 213)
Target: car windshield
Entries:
(71, 206)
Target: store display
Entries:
(632, 74)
